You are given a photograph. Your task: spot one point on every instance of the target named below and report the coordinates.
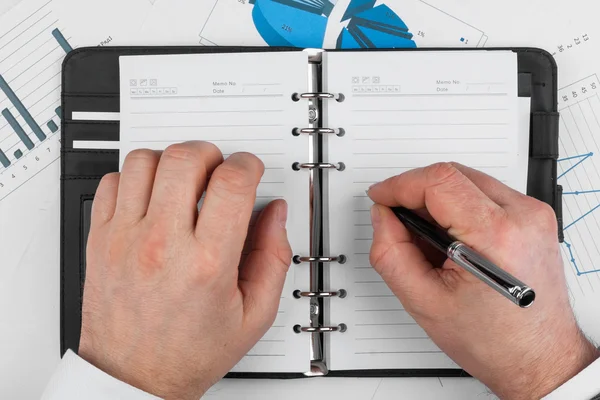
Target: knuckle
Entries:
(209, 259)
(250, 162)
(545, 217)
(106, 195)
(380, 257)
(207, 269)
(376, 255)
(255, 161)
(210, 147)
(153, 251)
(285, 256)
(233, 179)
(141, 155)
(111, 179)
(444, 172)
(181, 152)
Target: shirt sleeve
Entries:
(584, 386)
(76, 379)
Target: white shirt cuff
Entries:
(76, 379)
(584, 385)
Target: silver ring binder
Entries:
(340, 259)
(312, 131)
(298, 166)
(320, 329)
(318, 96)
(340, 293)
(315, 164)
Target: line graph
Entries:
(581, 158)
(578, 173)
(574, 261)
(577, 193)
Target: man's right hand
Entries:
(518, 353)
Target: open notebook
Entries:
(388, 112)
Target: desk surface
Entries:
(29, 217)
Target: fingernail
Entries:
(282, 215)
(375, 216)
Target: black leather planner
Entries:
(91, 82)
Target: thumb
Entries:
(402, 264)
(262, 276)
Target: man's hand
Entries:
(165, 307)
(518, 353)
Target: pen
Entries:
(495, 277)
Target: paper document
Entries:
(239, 102)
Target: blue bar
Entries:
(18, 154)
(21, 109)
(52, 126)
(4, 160)
(62, 41)
(58, 112)
(17, 128)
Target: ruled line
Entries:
(205, 112)
(397, 352)
(389, 324)
(436, 124)
(210, 126)
(397, 338)
(265, 355)
(434, 153)
(420, 139)
(25, 31)
(435, 110)
(25, 20)
(428, 95)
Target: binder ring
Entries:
(320, 329)
(310, 131)
(340, 259)
(342, 293)
(319, 96)
(298, 166)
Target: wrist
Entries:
(561, 369)
(148, 380)
(556, 365)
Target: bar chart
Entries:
(31, 53)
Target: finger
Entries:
(225, 215)
(494, 189)
(105, 200)
(181, 177)
(455, 202)
(262, 276)
(400, 262)
(135, 187)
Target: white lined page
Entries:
(404, 110)
(239, 102)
